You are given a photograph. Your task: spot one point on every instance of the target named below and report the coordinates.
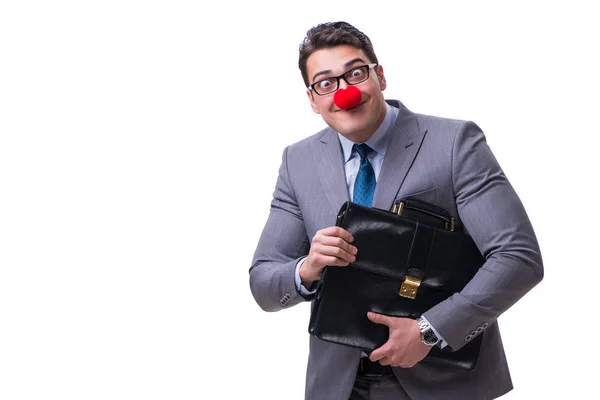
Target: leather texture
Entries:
(390, 247)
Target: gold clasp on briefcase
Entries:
(409, 287)
(398, 208)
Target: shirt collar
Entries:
(379, 140)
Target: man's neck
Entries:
(361, 137)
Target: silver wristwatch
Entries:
(428, 336)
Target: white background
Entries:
(139, 148)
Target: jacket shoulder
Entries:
(305, 144)
(434, 125)
(440, 123)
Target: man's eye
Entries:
(357, 73)
(325, 84)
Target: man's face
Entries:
(360, 122)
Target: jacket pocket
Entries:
(427, 195)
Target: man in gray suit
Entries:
(441, 161)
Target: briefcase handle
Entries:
(417, 209)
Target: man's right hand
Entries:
(330, 247)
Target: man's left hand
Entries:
(404, 348)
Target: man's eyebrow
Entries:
(347, 65)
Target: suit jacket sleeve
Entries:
(282, 244)
(494, 216)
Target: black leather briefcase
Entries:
(409, 259)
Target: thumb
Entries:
(379, 318)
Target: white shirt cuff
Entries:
(301, 289)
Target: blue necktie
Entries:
(364, 185)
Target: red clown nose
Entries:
(347, 98)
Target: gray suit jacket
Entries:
(441, 161)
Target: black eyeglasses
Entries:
(352, 77)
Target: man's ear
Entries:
(311, 98)
(381, 77)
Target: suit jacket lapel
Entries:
(404, 145)
(329, 161)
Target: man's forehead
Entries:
(334, 60)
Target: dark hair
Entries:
(331, 34)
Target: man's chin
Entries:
(353, 133)
(347, 124)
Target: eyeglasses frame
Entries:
(337, 78)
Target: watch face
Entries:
(429, 337)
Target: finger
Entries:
(336, 262)
(333, 251)
(336, 231)
(380, 319)
(378, 354)
(325, 260)
(385, 361)
(339, 242)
